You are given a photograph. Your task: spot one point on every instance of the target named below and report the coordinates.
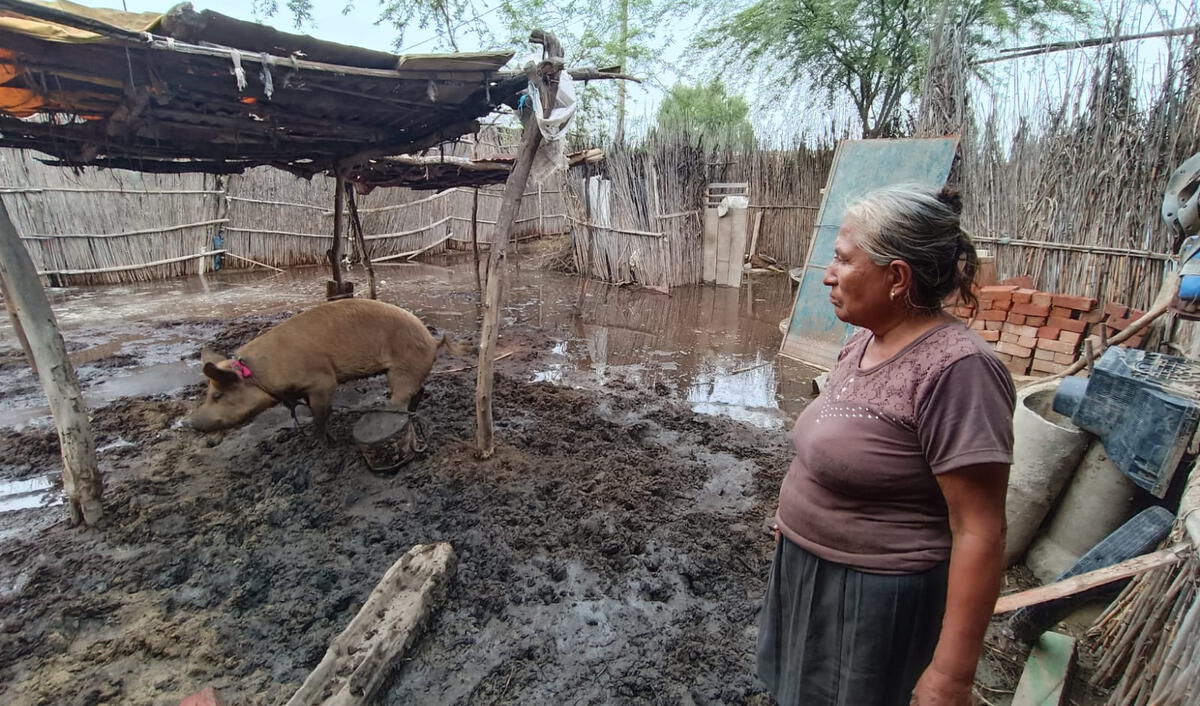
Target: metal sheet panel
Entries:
(815, 334)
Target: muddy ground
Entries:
(614, 550)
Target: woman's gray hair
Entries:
(919, 225)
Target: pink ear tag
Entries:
(240, 368)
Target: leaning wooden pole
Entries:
(17, 328)
(547, 77)
(360, 238)
(27, 299)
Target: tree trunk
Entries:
(81, 475)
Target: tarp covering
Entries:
(51, 31)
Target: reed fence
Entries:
(117, 226)
(1067, 185)
(636, 217)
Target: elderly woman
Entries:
(890, 529)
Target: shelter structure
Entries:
(187, 91)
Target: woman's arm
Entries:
(975, 498)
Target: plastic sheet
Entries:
(552, 155)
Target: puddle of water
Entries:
(131, 382)
(28, 493)
(713, 346)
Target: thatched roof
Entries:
(201, 92)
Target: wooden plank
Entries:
(708, 246)
(724, 233)
(1043, 683)
(360, 660)
(1092, 579)
(739, 219)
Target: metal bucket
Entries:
(388, 439)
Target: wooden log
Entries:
(1092, 579)
(1044, 681)
(81, 474)
(361, 658)
(514, 189)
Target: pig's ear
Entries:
(220, 376)
(208, 355)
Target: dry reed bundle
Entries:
(785, 186)
(113, 225)
(1149, 637)
(1073, 199)
(636, 216)
(101, 221)
(655, 191)
(277, 218)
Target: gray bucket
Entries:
(387, 440)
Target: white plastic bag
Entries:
(552, 155)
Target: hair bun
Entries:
(950, 196)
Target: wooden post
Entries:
(336, 289)
(356, 226)
(16, 324)
(27, 300)
(475, 242)
(514, 190)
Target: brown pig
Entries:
(304, 358)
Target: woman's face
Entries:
(858, 288)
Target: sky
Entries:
(1017, 87)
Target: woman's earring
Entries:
(892, 295)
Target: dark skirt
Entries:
(829, 635)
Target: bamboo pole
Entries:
(514, 189)
(81, 475)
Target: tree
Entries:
(870, 52)
(707, 110)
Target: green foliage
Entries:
(871, 52)
(709, 111)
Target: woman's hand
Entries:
(937, 689)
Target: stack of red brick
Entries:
(1040, 333)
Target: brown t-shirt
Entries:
(861, 489)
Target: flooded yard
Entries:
(614, 550)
